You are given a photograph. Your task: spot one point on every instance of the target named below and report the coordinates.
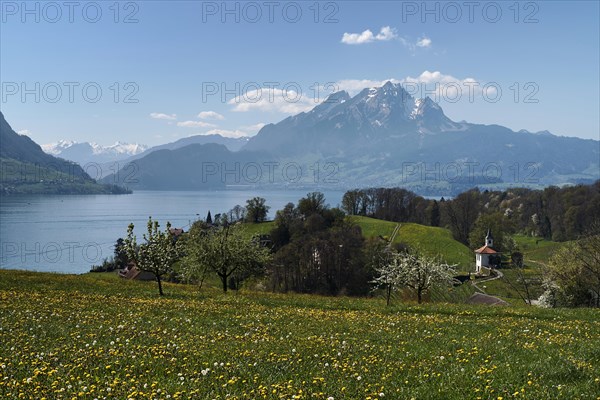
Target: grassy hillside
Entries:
(431, 240)
(262, 228)
(26, 169)
(96, 336)
(18, 177)
(536, 249)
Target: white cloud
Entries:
(490, 92)
(353, 86)
(25, 132)
(434, 84)
(254, 128)
(440, 86)
(357, 38)
(386, 33)
(272, 100)
(227, 133)
(210, 115)
(436, 77)
(195, 124)
(424, 42)
(163, 116)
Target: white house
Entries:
(486, 256)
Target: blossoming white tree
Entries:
(417, 272)
(386, 272)
(157, 255)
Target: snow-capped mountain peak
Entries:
(56, 148)
(86, 152)
(422, 106)
(122, 148)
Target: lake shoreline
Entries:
(71, 233)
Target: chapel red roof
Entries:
(485, 250)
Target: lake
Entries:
(69, 234)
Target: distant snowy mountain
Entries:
(83, 153)
(382, 136)
(385, 136)
(542, 133)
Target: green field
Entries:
(434, 240)
(262, 228)
(96, 336)
(428, 239)
(536, 249)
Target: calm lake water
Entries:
(68, 234)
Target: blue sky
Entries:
(543, 57)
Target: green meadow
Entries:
(96, 336)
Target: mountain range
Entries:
(110, 158)
(383, 136)
(344, 124)
(192, 167)
(84, 153)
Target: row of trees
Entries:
(554, 213)
(255, 211)
(317, 251)
(224, 250)
(312, 249)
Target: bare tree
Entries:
(461, 214)
(522, 285)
